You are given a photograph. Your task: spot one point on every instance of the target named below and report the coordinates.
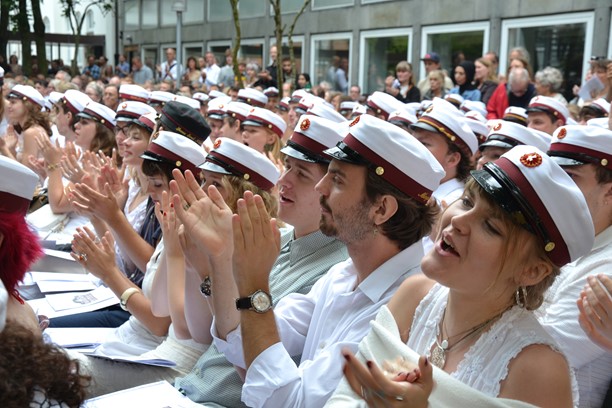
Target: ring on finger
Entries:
(97, 240)
(187, 206)
(83, 257)
(399, 397)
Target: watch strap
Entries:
(244, 303)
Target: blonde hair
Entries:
(275, 148)
(490, 75)
(521, 248)
(236, 187)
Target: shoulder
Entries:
(538, 375)
(405, 301)
(32, 131)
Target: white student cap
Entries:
(231, 157)
(174, 148)
(99, 113)
(516, 114)
(237, 110)
(312, 136)
(325, 111)
(215, 94)
(147, 121)
(185, 100)
(201, 96)
(271, 91)
(509, 134)
(160, 98)
(574, 145)
(478, 106)
(252, 97)
(542, 198)
(393, 154)
(129, 111)
(454, 99)
(26, 92)
(216, 107)
(75, 101)
(478, 124)
(549, 105)
(402, 117)
(443, 118)
(383, 104)
(133, 92)
(266, 118)
(17, 185)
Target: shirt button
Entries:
(322, 345)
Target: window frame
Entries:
(296, 38)
(426, 31)
(587, 17)
(345, 35)
(380, 33)
(314, 8)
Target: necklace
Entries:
(441, 347)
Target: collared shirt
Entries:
(212, 75)
(559, 316)
(142, 75)
(335, 314)
(300, 264)
(174, 71)
(93, 71)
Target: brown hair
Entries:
(521, 248)
(465, 164)
(36, 117)
(491, 76)
(236, 186)
(28, 365)
(412, 220)
(405, 66)
(603, 175)
(104, 140)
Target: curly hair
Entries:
(29, 365)
(521, 248)
(103, 140)
(412, 220)
(236, 186)
(20, 248)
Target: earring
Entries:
(521, 290)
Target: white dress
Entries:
(485, 364)
(136, 218)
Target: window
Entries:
(451, 40)
(561, 41)
(331, 59)
(298, 42)
(380, 51)
(194, 12)
(251, 50)
(289, 6)
(149, 14)
(150, 57)
(249, 9)
(132, 13)
(90, 20)
(218, 48)
(326, 4)
(192, 50)
(219, 11)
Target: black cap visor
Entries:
(344, 153)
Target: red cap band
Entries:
(180, 162)
(251, 176)
(595, 155)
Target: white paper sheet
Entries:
(155, 395)
(78, 337)
(79, 300)
(42, 306)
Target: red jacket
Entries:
(498, 102)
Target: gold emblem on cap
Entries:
(124, 106)
(562, 133)
(269, 126)
(102, 121)
(220, 106)
(531, 160)
(217, 143)
(453, 138)
(604, 162)
(497, 127)
(305, 124)
(155, 136)
(424, 196)
(429, 109)
(355, 121)
(549, 247)
(246, 176)
(380, 171)
(178, 163)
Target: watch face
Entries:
(261, 301)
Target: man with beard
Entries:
(373, 198)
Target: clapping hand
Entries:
(595, 306)
(95, 255)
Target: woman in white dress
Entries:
(500, 247)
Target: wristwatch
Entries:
(259, 301)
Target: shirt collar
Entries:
(603, 238)
(383, 277)
(306, 245)
(447, 187)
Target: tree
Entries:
(278, 33)
(39, 37)
(23, 27)
(237, 73)
(71, 9)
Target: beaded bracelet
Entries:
(51, 167)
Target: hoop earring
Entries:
(521, 290)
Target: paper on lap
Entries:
(155, 395)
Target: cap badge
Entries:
(178, 163)
(429, 109)
(305, 124)
(380, 171)
(123, 106)
(497, 126)
(531, 159)
(155, 136)
(355, 121)
(562, 133)
(549, 247)
(217, 143)
(604, 162)
(246, 176)
(424, 196)
(269, 126)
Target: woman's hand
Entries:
(166, 215)
(52, 153)
(104, 206)
(114, 178)
(71, 169)
(595, 306)
(95, 255)
(379, 389)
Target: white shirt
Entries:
(174, 68)
(448, 192)
(559, 316)
(212, 75)
(318, 325)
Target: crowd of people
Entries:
(446, 242)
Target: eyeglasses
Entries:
(121, 129)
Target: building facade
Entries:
(373, 35)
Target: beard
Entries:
(352, 224)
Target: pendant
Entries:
(438, 356)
